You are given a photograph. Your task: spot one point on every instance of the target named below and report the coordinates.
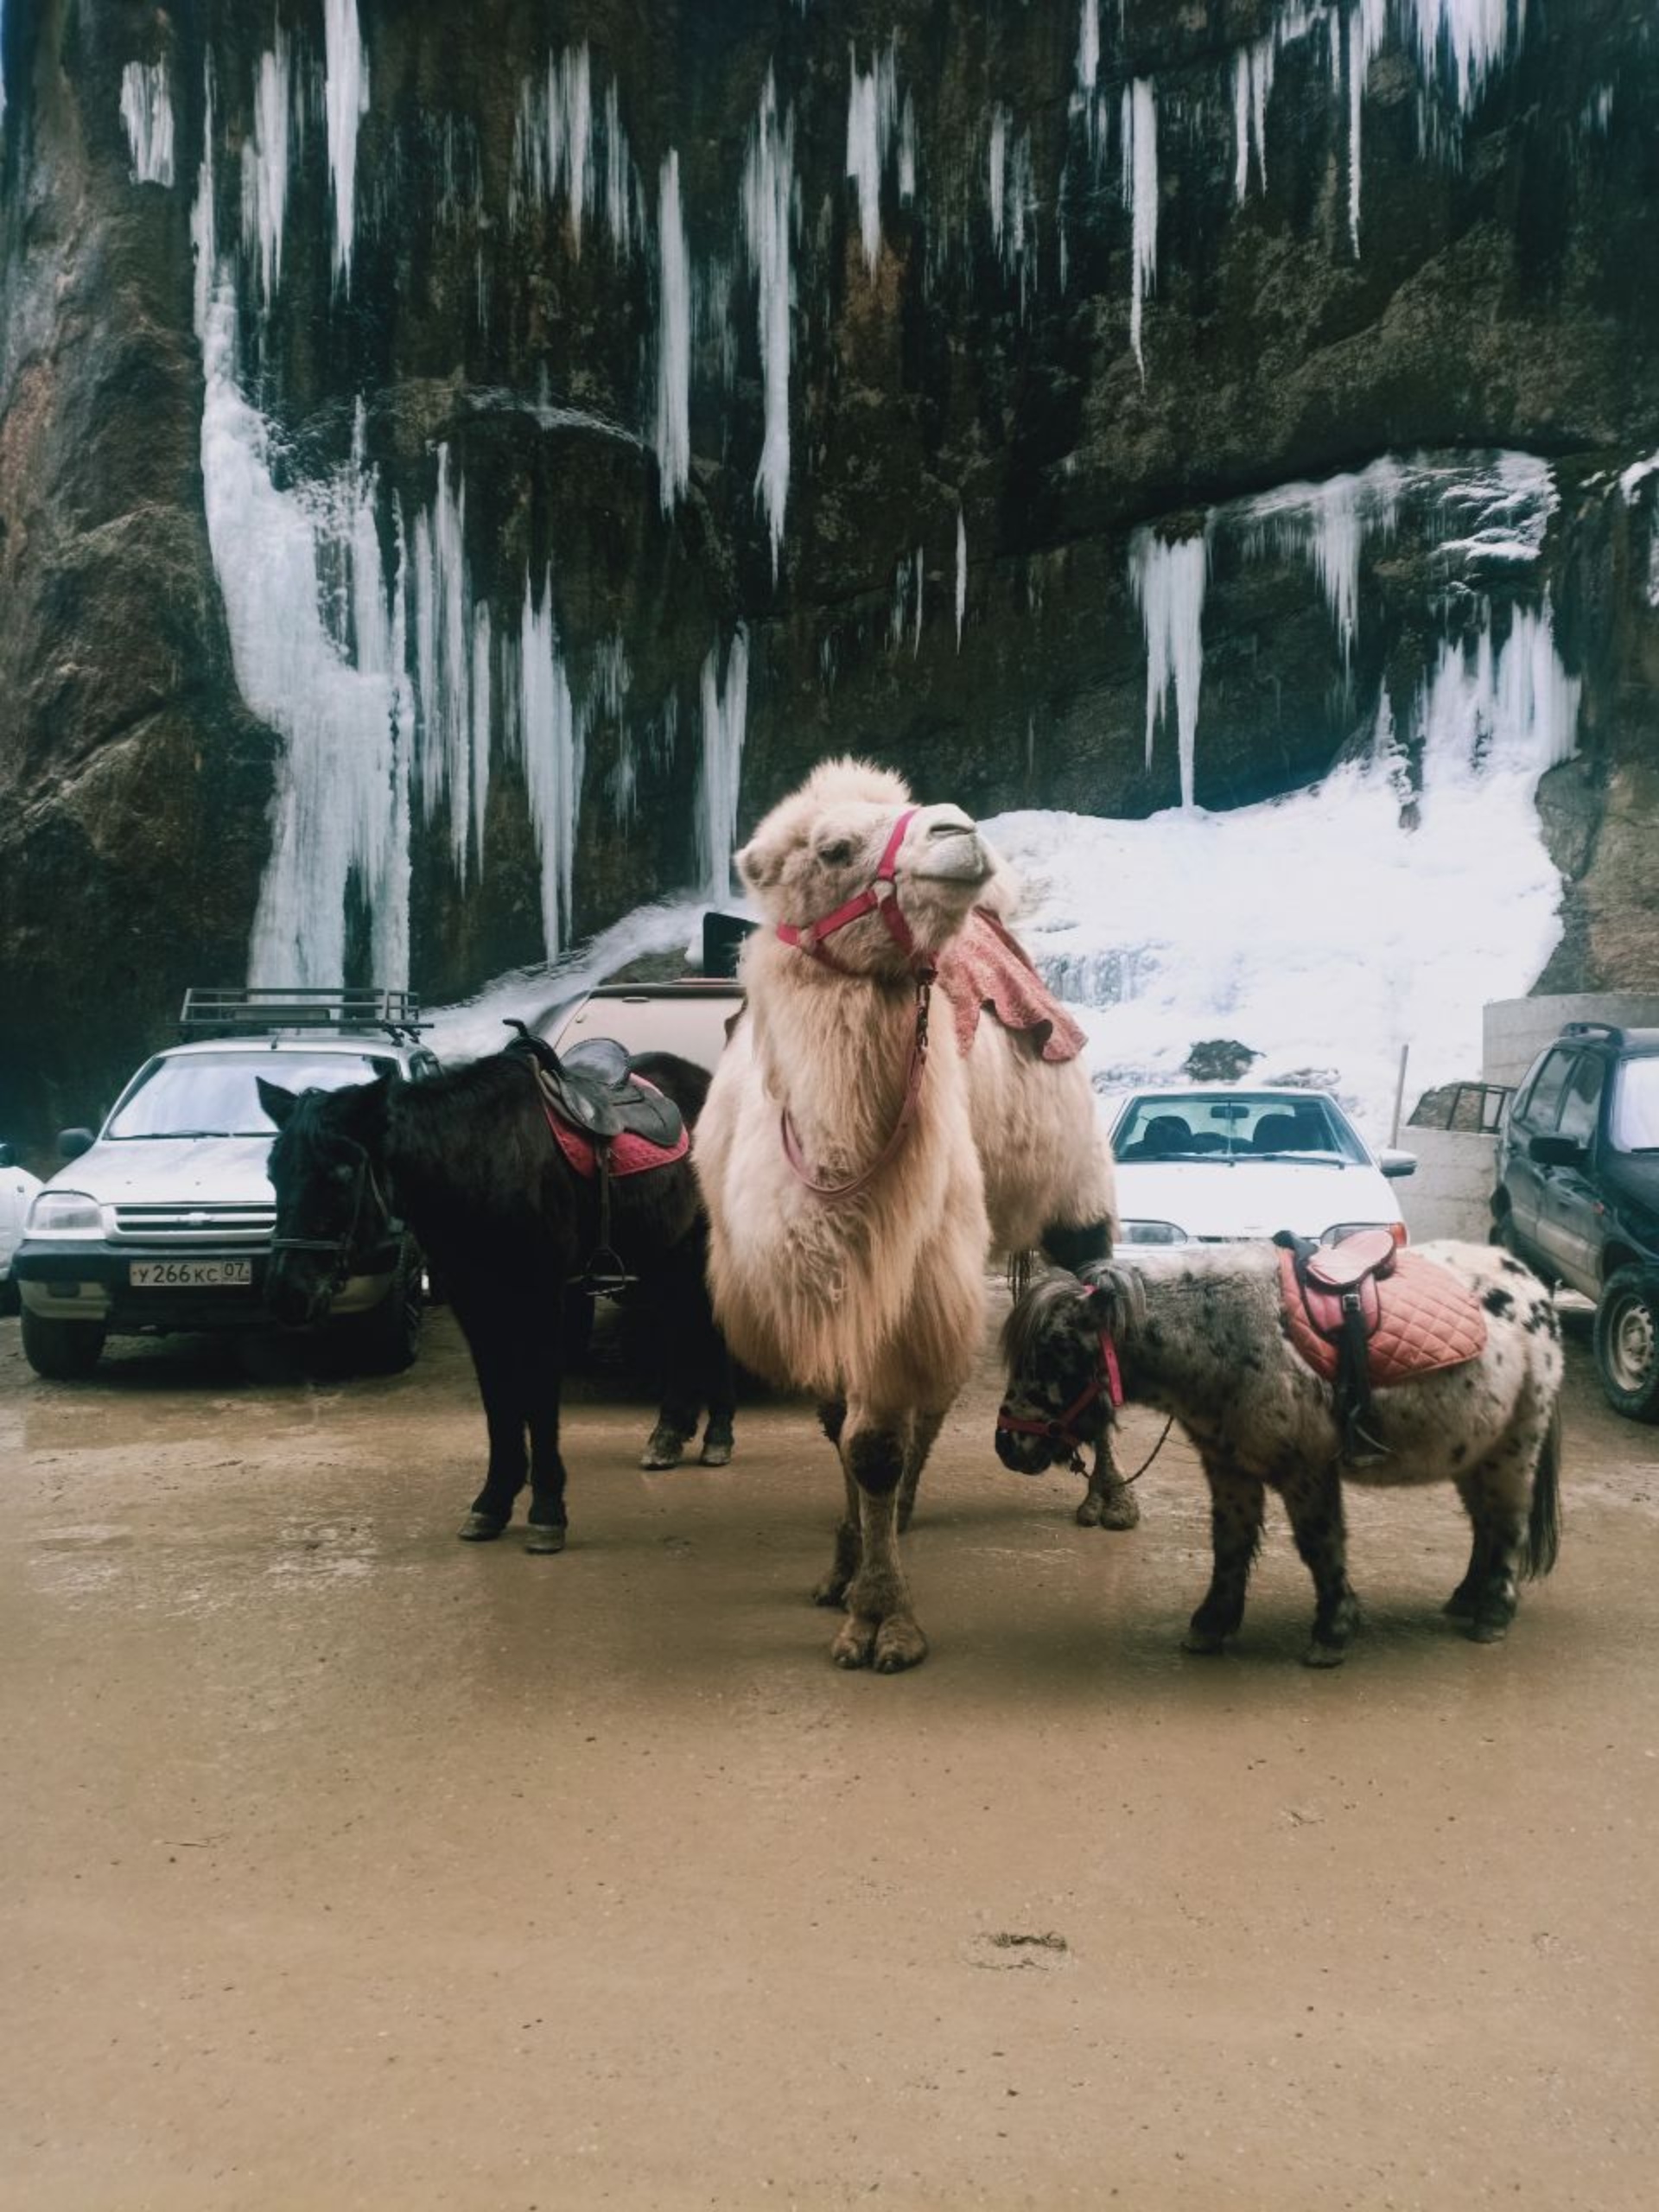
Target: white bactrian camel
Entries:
(856, 1181)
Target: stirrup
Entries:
(605, 1274)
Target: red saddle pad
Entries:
(1427, 1321)
(985, 970)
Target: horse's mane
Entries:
(1107, 1295)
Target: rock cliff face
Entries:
(460, 461)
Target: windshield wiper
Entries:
(1311, 1159)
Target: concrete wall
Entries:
(1517, 1030)
(1450, 1195)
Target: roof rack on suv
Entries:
(1606, 1029)
(249, 1009)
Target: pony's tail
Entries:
(1544, 1522)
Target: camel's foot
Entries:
(664, 1448)
(482, 1528)
(888, 1646)
(1116, 1508)
(544, 1536)
(832, 1591)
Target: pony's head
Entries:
(827, 844)
(329, 1201)
(1057, 1346)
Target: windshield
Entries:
(1232, 1125)
(1635, 1125)
(214, 1096)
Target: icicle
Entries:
(673, 439)
(553, 141)
(617, 173)
(768, 217)
(1509, 708)
(147, 110)
(907, 152)
(1168, 581)
(724, 714)
(345, 102)
(1087, 48)
(1328, 525)
(871, 113)
(1363, 32)
(997, 172)
(264, 167)
(1473, 34)
(550, 740)
(962, 574)
(1140, 197)
(204, 228)
(916, 634)
(443, 660)
(1252, 82)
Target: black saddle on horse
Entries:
(591, 1088)
(1340, 1294)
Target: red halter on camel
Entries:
(880, 896)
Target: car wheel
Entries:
(1627, 1343)
(63, 1351)
(385, 1340)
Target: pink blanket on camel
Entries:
(984, 971)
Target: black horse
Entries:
(467, 1160)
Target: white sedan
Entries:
(1213, 1165)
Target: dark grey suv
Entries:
(1578, 1192)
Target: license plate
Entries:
(190, 1274)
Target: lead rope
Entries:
(1126, 1479)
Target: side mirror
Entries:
(1556, 1152)
(1397, 1164)
(72, 1142)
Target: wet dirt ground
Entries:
(345, 1865)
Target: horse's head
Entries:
(833, 839)
(329, 1199)
(1059, 1347)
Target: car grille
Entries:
(251, 1225)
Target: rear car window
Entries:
(1635, 1124)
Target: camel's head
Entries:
(822, 845)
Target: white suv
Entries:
(162, 1221)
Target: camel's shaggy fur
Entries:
(877, 1302)
(1200, 1335)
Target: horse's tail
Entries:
(1544, 1520)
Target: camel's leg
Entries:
(1109, 1502)
(880, 1630)
(843, 1565)
(1313, 1501)
(924, 1428)
(1495, 1495)
(1236, 1507)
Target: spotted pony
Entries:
(1201, 1335)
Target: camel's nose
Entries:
(952, 851)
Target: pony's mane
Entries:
(1106, 1295)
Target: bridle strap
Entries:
(913, 1073)
(341, 1248)
(1061, 1428)
(880, 896)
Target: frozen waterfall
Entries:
(725, 715)
(1140, 197)
(1168, 581)
(673, 437)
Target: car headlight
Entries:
(64, 1213)
(1341, 1229)
(1150, 1232)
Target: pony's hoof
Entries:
(1488, 1631)
(856, 1645)
(1458, 1607)
(899, 1643)
(539, 1537)
(716, 1452)
(666, 1448)
(1204, 1643)
(1324, 1655)
(480, 1528)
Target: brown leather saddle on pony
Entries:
(607, 1123)
(1364, 1315)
